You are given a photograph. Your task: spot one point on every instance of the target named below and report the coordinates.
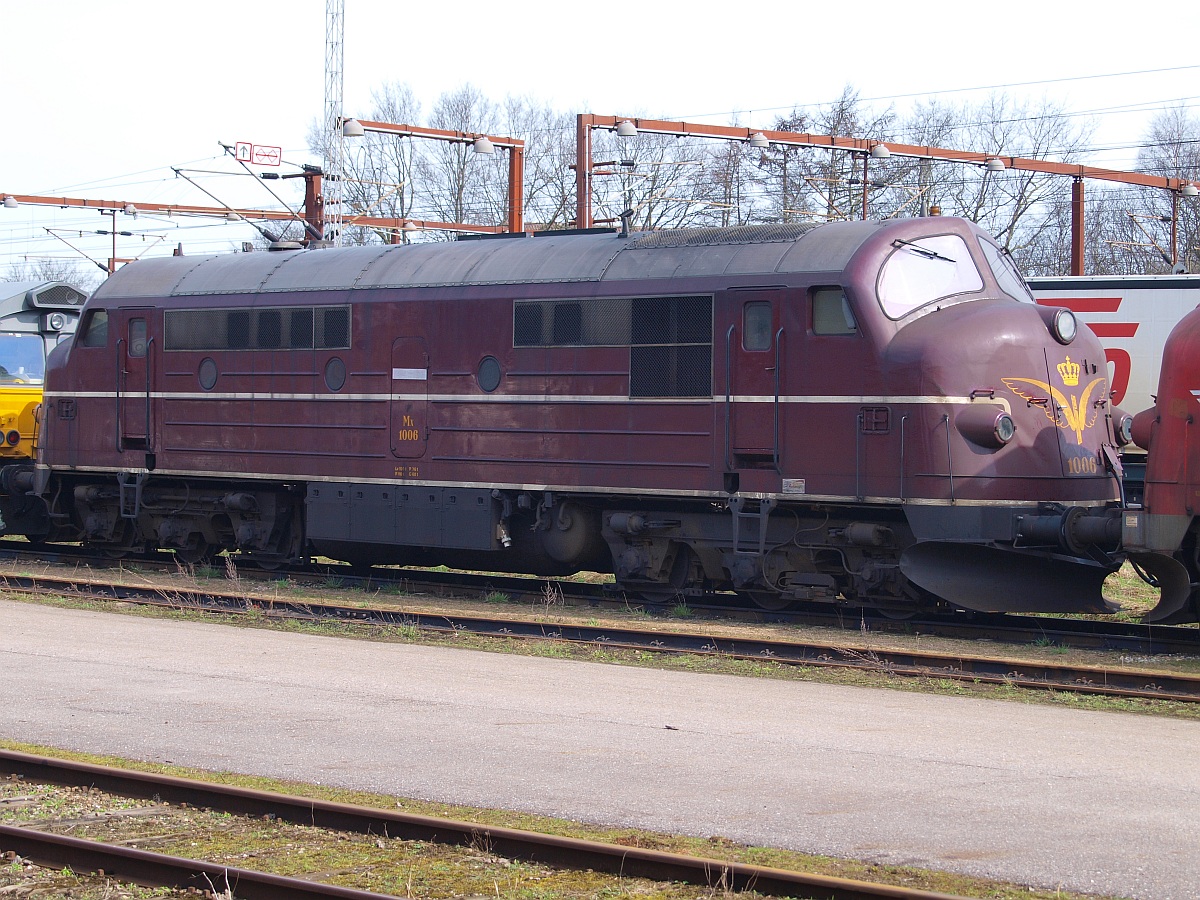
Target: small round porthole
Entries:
(335, 374)
(208, 373)
(488, 375)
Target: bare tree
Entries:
(655, 176)
(1171, 150)
(726, 187)
(379, 170)
(673, 182)
(73, 272)
(462, 185)
(549, 136)
(809, 183)
(1017, 207)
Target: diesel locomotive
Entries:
(35, 316)
(1163, 537)
(865, 413)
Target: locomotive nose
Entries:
(1142, 429)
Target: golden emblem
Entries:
(1078, 413)
(1069, 372)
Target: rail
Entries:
(828, 654)
(552, 850)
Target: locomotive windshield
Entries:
(926, 270)
(22, 358)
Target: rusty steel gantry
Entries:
(586, 123)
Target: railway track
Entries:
(1100, 634)
(159, 869)
(997, 670)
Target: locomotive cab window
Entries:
(22, 358)
(1006, 272)
(831, 312)
(756, 326)
(94, 332)
(924, 271)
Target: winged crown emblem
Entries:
(1077, 413)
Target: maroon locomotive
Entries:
(873, 413)
(1162, 537)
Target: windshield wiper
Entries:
(924, 251)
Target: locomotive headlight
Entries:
(1005, 428)
(1065, 326)
(986, 426)
(13, 438)
(1123, 429)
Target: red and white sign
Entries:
(265, 156)
(257, 154)
(1132, 315)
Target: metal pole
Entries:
(866, 160)
(112, 260)
(516, 189)
(583, 171)
(1077, 212)
(1174, 229)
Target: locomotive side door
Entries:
(409, 397)
(136, 349)
(748, 327)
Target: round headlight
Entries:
(1005, 428)
(57, 321)
(13, 438)
(1066, 326)
(1123, 430)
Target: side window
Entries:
(94, 332)
(137, 337)
(756, 326)
(1006, 272)
(831, 312)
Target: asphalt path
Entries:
(1040, 795)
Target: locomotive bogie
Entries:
(195, 519)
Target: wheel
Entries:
(684, 575)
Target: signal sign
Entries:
(266, 156)
(257, 154)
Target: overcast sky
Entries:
(102, 99)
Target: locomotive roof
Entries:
(545, 258)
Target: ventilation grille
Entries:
(703, 237)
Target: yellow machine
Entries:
(35, 316)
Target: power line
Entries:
(928, 93)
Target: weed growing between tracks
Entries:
(389, 865)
